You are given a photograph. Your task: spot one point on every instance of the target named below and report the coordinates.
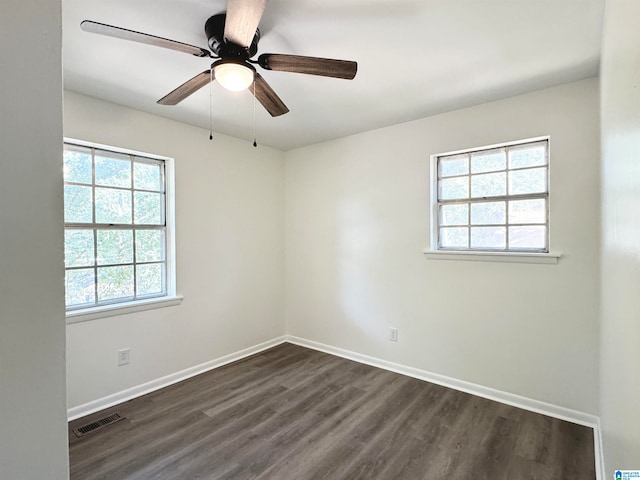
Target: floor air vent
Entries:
(98, 424)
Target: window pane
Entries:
(107, 260)
(454, 214)
(78, 204)
(453, 165)
(453, 188)
(77, 165)
(148, 208)
(489, 237)
(147, 176)
(149, 245)
(115, 283)
(528, 237)
(113, 206)
(488, 161)
(528, 211)
(149, 279)
(454, 237)
(115, 246)
(533, 180)
(489, 213)
(489, 185)
(113, 170)
(78, 248)
(530, 155)
(487, 180)
(79, 287)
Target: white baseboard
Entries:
(139, 390)
(519, 401)
(599, 452)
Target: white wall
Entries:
(230, 254)
(357, 221)
(620, 363)
(33, 430)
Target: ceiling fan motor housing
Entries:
(214, 29)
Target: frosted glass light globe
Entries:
(233, 76)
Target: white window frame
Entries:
(506, 255)
(171, 297)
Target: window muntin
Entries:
(116, 237)
(493, 199)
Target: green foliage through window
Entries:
(115, 227)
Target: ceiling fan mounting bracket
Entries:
(214, 29)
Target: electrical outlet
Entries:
(393, 334)
(123, 357)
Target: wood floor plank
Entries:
(295, 413)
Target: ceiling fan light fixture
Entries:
(233, 76)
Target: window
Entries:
(493, 199)
(118, 241)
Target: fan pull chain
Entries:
(211, 104)
(255, 143)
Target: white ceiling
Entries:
(415, 58)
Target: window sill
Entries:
(103, 311)
(510, 257)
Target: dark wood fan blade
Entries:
(187, 88)
(123, 33)
(267, 97)
(243, 17)
(325, 67)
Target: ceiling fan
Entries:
(233, 40)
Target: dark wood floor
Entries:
(291, 413)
